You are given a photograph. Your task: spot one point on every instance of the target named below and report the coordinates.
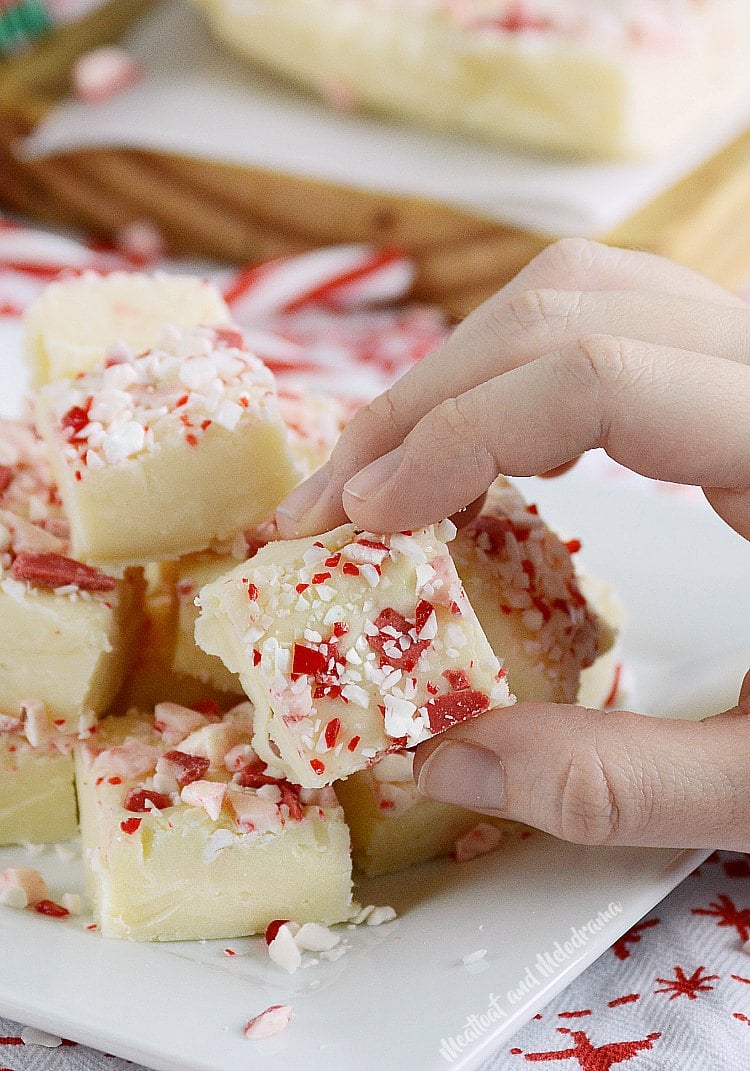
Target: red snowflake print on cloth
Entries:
(632, 937)
(728, 914)
(592, 1057)
(736, 868)
(682, 985)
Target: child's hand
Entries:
(586, 347)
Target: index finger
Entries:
(475, 352)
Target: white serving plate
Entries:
(402, 989)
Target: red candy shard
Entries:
(76, 419)
(307, 660)
(230, 336)
(447, 710)
(191, 767)
(254, 775)
(273, 928)
(392, 619)
(49, 907)
(256, 657)
(573, 546)
(458, 679)
(252, 592)
(352, 745)
(291, 799)
(130, 825)
(612, 695)
(137, 799)
(56, 571)
(332, 730)
(317, 766)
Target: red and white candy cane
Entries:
(40, 254)
(345, 276)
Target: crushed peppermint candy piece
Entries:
(312, 937)
(474, 957)
(25, 880)
(480, 840)
(269, 1022)
(31, 1036)
(378, 915)
(283, 950)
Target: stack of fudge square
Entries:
(227, 716)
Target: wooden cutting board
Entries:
(245, 214)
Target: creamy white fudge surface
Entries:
(350, 645)
(393, 826)
(591, 77)
(66, 629)
(37, 791)
(75, 320)
(162, 453)
(193, 573)
(521, 581)
(314, 423)
(189, 835)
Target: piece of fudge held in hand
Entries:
(66, 629)
(350, 645)
(520, 579)
(189, 835)
(37, 791)
(164, 453)
(74, 321)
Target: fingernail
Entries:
(302, 499)
(465, 775)
(372, 478)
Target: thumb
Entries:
(594, 777)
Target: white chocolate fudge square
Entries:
(393, 826)
(588, 77)
(37, 791)
(161, 454)
(520, 579)
(193, 573)
(76, 320)
(350, 645)
(188, 835)
(66, 629)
